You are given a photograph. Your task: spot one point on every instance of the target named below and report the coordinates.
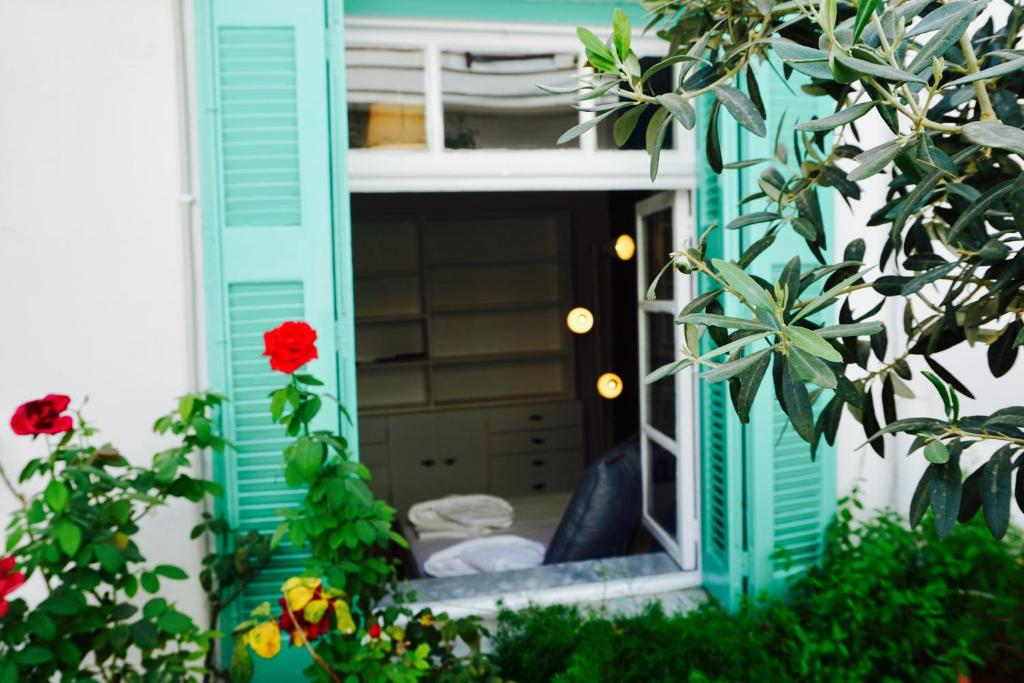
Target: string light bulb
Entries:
(625, 247)
(580, 320)
(609, 385)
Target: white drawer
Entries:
(535, 416)
(532, 464)
(536, 483)
(537, 440)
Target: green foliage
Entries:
(887, 604)
(78, 535)
(949, 89)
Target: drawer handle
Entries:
(536, 418)
(537, 441)
(449, 461)
(539, 462)
(539, 487)
(427, 463)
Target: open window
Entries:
(669, 443)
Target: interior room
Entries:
(497, 354)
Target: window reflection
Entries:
(386, 102)
(491, 99)
(662, 503)
(661, 395)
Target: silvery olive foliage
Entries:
(946, 78)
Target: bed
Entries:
(536, 518)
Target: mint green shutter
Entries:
(269, 224)
(762, 493)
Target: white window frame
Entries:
(437, 169)
(685, 446)
(585, 168)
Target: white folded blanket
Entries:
(461, 516)
(483, 555)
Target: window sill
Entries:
(590, 582)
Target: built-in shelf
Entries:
(483, 300)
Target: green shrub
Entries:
(887, 604)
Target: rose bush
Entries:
(347, 611)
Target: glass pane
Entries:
(661, 481)
(491, 99)
(385, 98)
(658, 239)
(659, 84)
(661, 395)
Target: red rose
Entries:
(374, 631)
(42, 416)
(290, 346)
(9, 581)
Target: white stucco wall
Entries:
(94, 258)
(92, 250)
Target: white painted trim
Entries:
(562, 595)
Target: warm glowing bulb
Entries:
(580, 320)
(625, 247)
(609, 385)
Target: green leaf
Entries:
(666, 63)
(308, 457)
(56, 496)
(939, 18)
(827, 296)
(657, 128)
(811, 343)
(733, 368)
(841, 117)
(582, 128)
(109, 557)
(945, 495)
(68, 536)
(922, 497)
(150, 582)
(621, 32)
(750, 381)
(742, 109)
(954, 27)
(995, 490)
(977, 209)
(593, 43)
(941, 388)
(173, 622)
(626, 124)
(734, 345)
(753, 294)
(668, 369)
(712, 149)
(995, 134)
(864, 11)
(850, 330)
(722, 321)
(9, 672)
(680, 108)
(797, 402)
(918, 281)
(144, 634)
(991, 72)
(806, 60)
(886, 73)
(169, 571)
(874, 160)
(809, 368)
(42, 625)
(936, 452)
(34, 655)
(754, 218)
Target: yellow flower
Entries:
(427, 620)
(265, 639)
(345, 622)
(299, 591)
(315, 610)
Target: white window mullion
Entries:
(588, 142)
(434, 105)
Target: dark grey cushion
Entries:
(603, 514)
